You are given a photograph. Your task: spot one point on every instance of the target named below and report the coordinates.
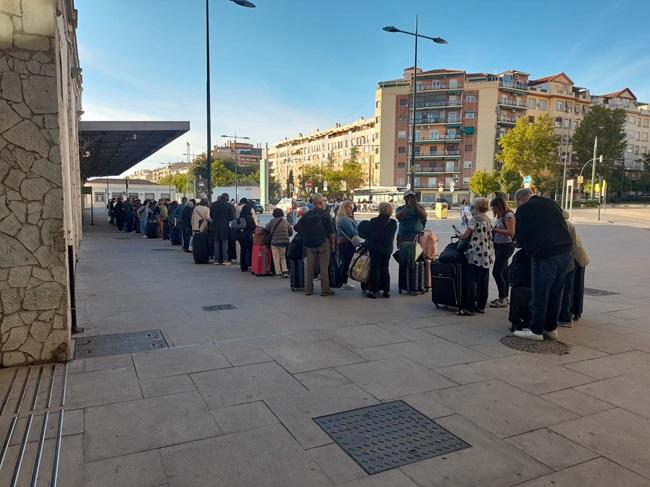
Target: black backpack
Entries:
(311, 230)
(519, 269)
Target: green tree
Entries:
(180, 182)
(530, 149)
(484, 183)
(354, 154)
(509, 181)
(351, 176)
(609, 126)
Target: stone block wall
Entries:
(34, 184)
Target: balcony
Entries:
(512, 103)
(506, 119)
(432, 170)
(441, 138)
(449, 154)
(435, 120)
(440, 87)
(513, 85)
(437, 104)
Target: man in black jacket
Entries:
(187, 224)
(221, 212)
(542, 232)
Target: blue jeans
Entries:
(547, 284)
(143, 226)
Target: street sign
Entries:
(581, 179)
(308, 184)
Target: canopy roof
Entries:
(110, 148)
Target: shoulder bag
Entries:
(269, 236)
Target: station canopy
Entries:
(111, 148)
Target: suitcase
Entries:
(152, 229)
(519, 312)
(261, 260)
(578, 293)
(259, 235)
(175, 235)
(297, 274)
(334, 272)
(201, 247)
(446, 284)
(411, 278)
(427, 275)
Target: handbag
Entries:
(359, 269)
(269, 236)
(454, 252)
(237, 224)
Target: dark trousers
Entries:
(476, 282)
(547, 285)
(232, 249)
(246, 244)
(187, 235)
(165, 230)
(345, 252)
(120, 223)
(502, 254)
(566, 310)
(220, 250)
(379, 274)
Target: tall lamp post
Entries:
(241, 3)
(436, 40)
(235, 137)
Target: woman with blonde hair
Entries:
(379, 234)
(347, 239)
(480, 258)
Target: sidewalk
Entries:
(231, 402)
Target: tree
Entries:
(483, 183)
(509, 181)
(609, 126)
(180, 182)
(351, 175)
(530, 149)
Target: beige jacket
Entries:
(199, 213)
(579, 252)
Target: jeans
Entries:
(379, 279)
(322, 256)
(345, 254)
(476, 282)
(502, 254)
(187, 235)
(547, 280)
(566, 310)
(143, 226)
(246, 253)
(279, 259)
(221, 251)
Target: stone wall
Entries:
(34, 230)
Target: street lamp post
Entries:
(416, 35)
(593, 168)
(241, 3)
(235, 137)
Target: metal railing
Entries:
(507, 119)
(515, 85)
(440, 86)
(438, 103)
(512, 103)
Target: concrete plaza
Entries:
(231, 402)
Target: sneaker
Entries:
(227, 263)
(218, 263)
(528, 335)
(494, 302)
(328, 293)
(479, 310)
(465, 312)
(499, 303)
(280, 276)
(347, 287)
(565, 324)
(551, 335)
(371, 295)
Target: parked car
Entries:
(258, 206)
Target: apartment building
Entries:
(637, 128)
(327, 148)
(246, 154)
(160, 173)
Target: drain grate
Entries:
(598, 292)
(219, 307)
(389, 435)
(119, 344)
(552, 347)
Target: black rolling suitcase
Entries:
(519, 310)
(578, 293)
(411, 278)
(175, 235)
(152, 229)
(446, 284)
(335, 281)
(201, 247)
(297, 274)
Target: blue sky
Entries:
(292, 66)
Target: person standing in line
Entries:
(412, 218)
(111, 211)
(542, 231)
(480, 258)
(503, 233)
(280, 231)
(317, 232)
(163, 214)
(118, 209)
(581, 260)
(200, 216)
(246, 242)
(128, 215)
(379, 233)
(221, 212)
(347, 240)
(187, 223)
(143, 216)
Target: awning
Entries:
(110, 148)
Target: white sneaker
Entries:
(551, 335)
(528, 335)
(227, 262)
(347, 287)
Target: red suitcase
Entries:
(261, 260)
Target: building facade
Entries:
(160, 173)
(328, 148)
(104, 189)
(245, 154)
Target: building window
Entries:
(468, 148)
(101, 197)
(401, 165)
(644, 137)
(377, 119)
(450, 166)
(470, 98)
(542, 104)
(377, 104)
(469, 115)
(466, 180)
(401, 134)
(632, 119)
(532, 103)
(403, 118)
(567, 123)
(401, 150)
(559, 106)
(646, 122)
(149, 196)
(404, 102)
(467, 165)
(401, 181)
(558, 122)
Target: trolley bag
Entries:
(297, 274)
(427, 274)
(519, 312)
(152, 229)
(259, 236)
(201, 247)
(175, 235)
(411, 278)
(261, 260)
(334, 270)
(578, 293)
(446, 284)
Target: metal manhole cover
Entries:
(163, 250)
(389, 435)
(598, 292)
(219, 307)
(530, 346)
(119, 344)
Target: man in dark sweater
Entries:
(543, 233)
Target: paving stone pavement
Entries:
(231, 402)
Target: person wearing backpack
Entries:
(278, 233)
(316, 230)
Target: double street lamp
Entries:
(235, 137)
(436, 40)
(241, 3)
